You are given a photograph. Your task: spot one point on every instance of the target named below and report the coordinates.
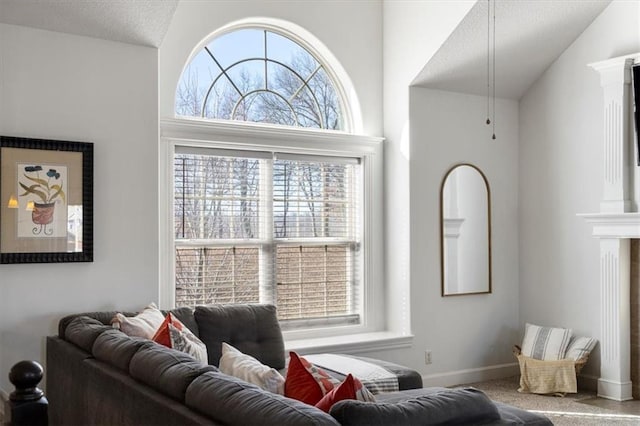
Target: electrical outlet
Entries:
(427, 357)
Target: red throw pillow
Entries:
(345, 390)
(163, 336)
(306, 382)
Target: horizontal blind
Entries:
(208, 275)
(316, 281)
(315, 203)
(218, 201)
(285, 230)
(216, 197)
(314, 199)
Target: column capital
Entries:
(615, 70)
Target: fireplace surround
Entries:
(617, 223)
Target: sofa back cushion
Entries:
(83, 331)
(452, 406)
(102, 317)
(231, 401)
(116, 348)
(184, 314)
(252, 329)
(166, 370)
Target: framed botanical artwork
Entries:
(46, 201)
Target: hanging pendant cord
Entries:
(488, 60)
(494, 70)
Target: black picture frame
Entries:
(57, 175)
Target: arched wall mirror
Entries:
(465, 231)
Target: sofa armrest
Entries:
(450, 406)
(408, 378)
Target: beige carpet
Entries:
(583, 408)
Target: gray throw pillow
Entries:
(253, 329)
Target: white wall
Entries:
(473, 332)
(67, 87)
(413, 31)
(561, 130)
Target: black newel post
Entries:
(27, 404)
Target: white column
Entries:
(615, 78)
(615, 344)
(615, 347)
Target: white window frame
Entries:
(220, 134)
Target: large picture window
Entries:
(271, 197)
(256, 227)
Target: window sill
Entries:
(351, 344)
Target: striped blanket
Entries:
(374, 377)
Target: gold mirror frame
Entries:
(442, 232)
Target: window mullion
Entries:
(325, 280)
(296, 173)
(300, 282)
(268, 268)
(232, 196)
(233, 274)
(266, 64)
(199, 195)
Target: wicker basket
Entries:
(517, 351)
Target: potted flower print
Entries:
(48, 188)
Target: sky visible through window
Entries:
(269, 78)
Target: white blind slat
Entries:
(217, 152)
(315, 158)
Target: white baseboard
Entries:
(500, 371)
(471, 375)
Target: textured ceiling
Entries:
(530, 35)
(143, 22)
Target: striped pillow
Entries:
(545, 343)
(580, 347)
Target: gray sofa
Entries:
(97, 375)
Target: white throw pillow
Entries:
(245, 367)
(580, 347)
(545, 343)
(144, 324)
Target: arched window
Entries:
(259, 75)
(273, 214)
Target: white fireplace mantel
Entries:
(615, 225)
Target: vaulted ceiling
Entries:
(530, 35)
(143, 22)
